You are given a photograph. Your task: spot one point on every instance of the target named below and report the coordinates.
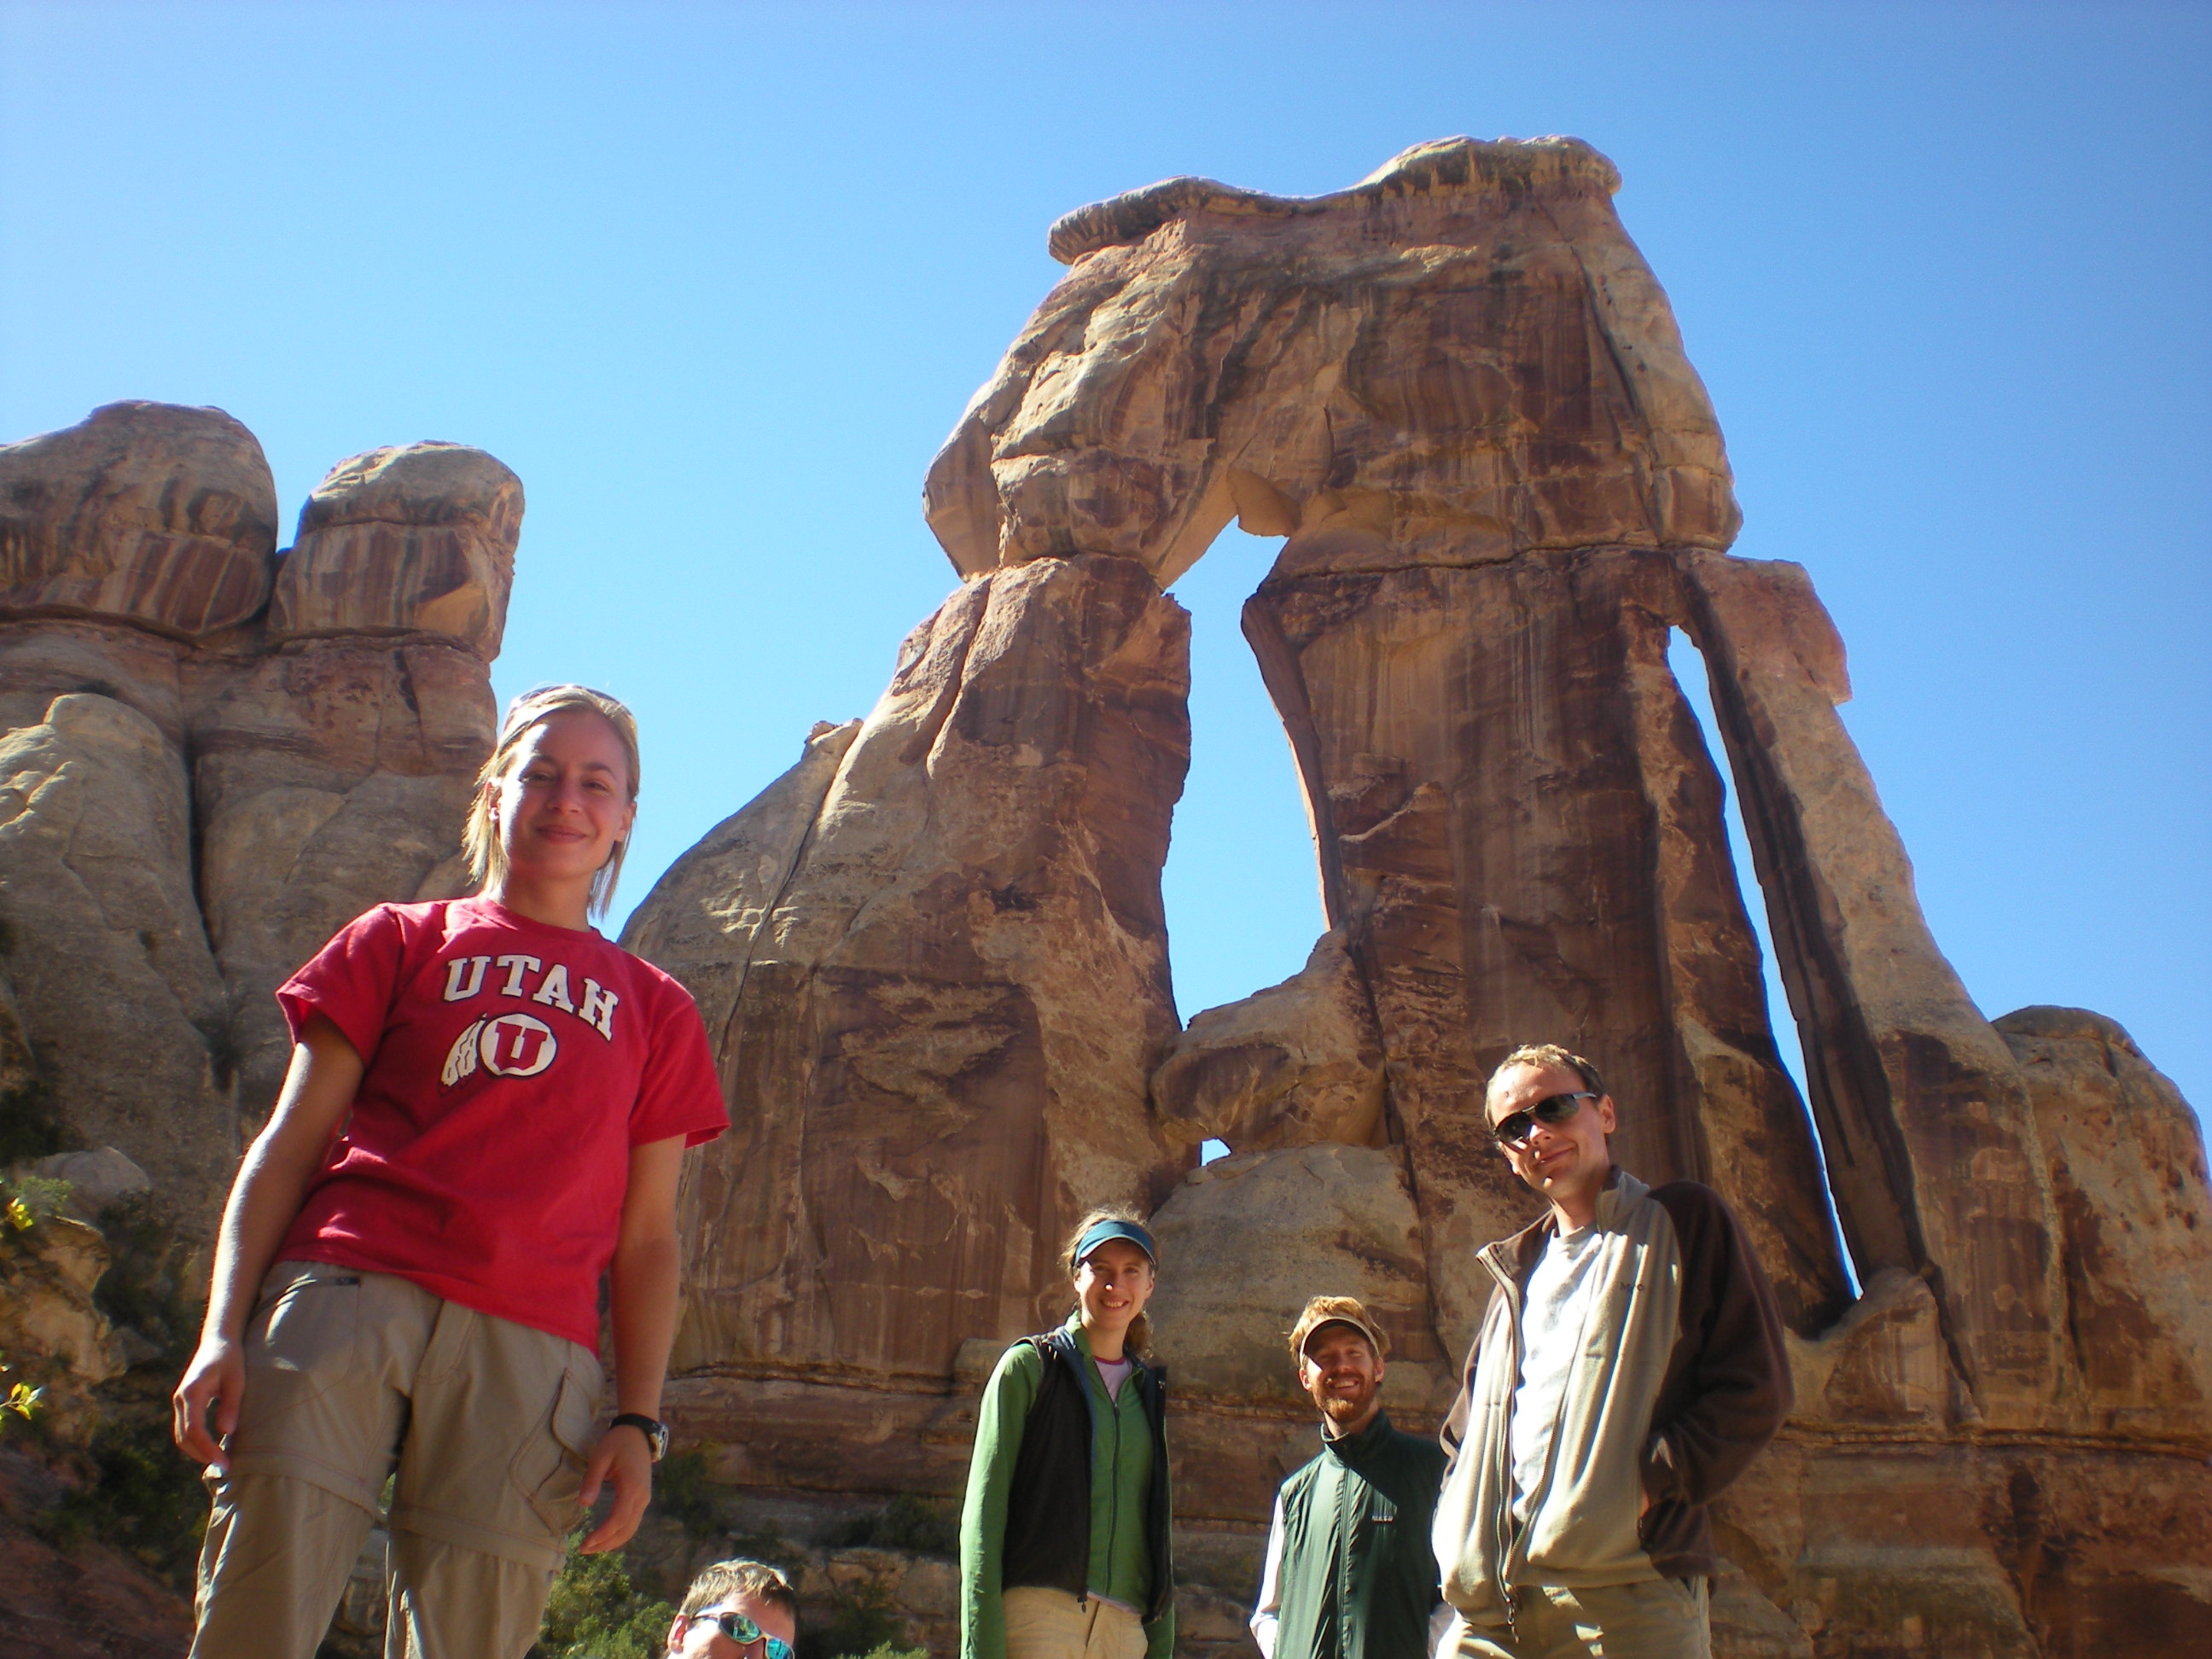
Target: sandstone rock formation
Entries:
(940, 949)
(214, 754)
(1298, 1063)
(147, 513)
(932, 954)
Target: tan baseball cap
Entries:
(1337, 1311)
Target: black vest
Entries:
(1048, 1506)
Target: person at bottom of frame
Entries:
(736, 1609)
(1349, 1571)
(1628, 1367)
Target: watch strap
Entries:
(654, 1430)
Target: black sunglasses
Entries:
(742, 1630)
(1514, 1129)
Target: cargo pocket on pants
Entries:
(548, 1470)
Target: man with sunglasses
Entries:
(1628, 1367)
(737, 1607)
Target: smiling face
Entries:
(1566, 1161)
(1342, 1375)
(1112, 1286)
(698, 1636)
(563, 804)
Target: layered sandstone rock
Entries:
(1462, 358)
(112, 975)
(158, 515)
(401, 541)
(2125, 1157)
(330, 774)
(1298, 1063)
(1455, 389)
(196, 790)
(1248, 1239)
(941, 948)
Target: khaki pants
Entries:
(1050, 1624)
(348, 1375)
(1662, 1619)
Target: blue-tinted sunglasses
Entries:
(742, 1630)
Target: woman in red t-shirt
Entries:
(487, 1109)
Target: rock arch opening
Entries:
(1692, 674)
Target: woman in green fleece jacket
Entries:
(1064, 1538)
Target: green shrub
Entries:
(918, 1526)
(681, 1491)
(767, 1543)
(860, 1623)
(143, 1497)
(596, 1612)
(143, 1286)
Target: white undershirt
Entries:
(1114, 1373)
(1551, 1316)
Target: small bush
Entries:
(143, 1286)
(596, 1612)
(143, 1497)
(860, 1623)
(917, 1526)
(681, 1491)
(768, 1544)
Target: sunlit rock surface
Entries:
(1457, 392)
(196, 791)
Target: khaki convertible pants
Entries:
(1050, 1624)
(1659, 1619)
(347, 1373)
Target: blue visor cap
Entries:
(1107, 1230)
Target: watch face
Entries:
(658, 1434)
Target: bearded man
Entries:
(1349, 1573)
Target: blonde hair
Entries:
(757, 1581)
(1540, 1055)
(480, 834)
(1140, 1338)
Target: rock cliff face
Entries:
(933, 958)
(214, 754)
(936, 962)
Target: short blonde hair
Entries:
(1541, 1054)
(756, 1581)
(480, 834)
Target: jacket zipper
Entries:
(1504, 1514)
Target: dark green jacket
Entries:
(1357, 1578)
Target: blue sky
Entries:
(717, 280)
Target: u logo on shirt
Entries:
(512, 1045)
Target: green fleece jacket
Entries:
(1121, 1480)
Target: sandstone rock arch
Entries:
(934, 956)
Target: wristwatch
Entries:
(655, 1432)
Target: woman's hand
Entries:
(206, 1402)
(623, 1456)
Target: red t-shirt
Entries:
(511, 1066)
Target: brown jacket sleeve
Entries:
(1727, 1387)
